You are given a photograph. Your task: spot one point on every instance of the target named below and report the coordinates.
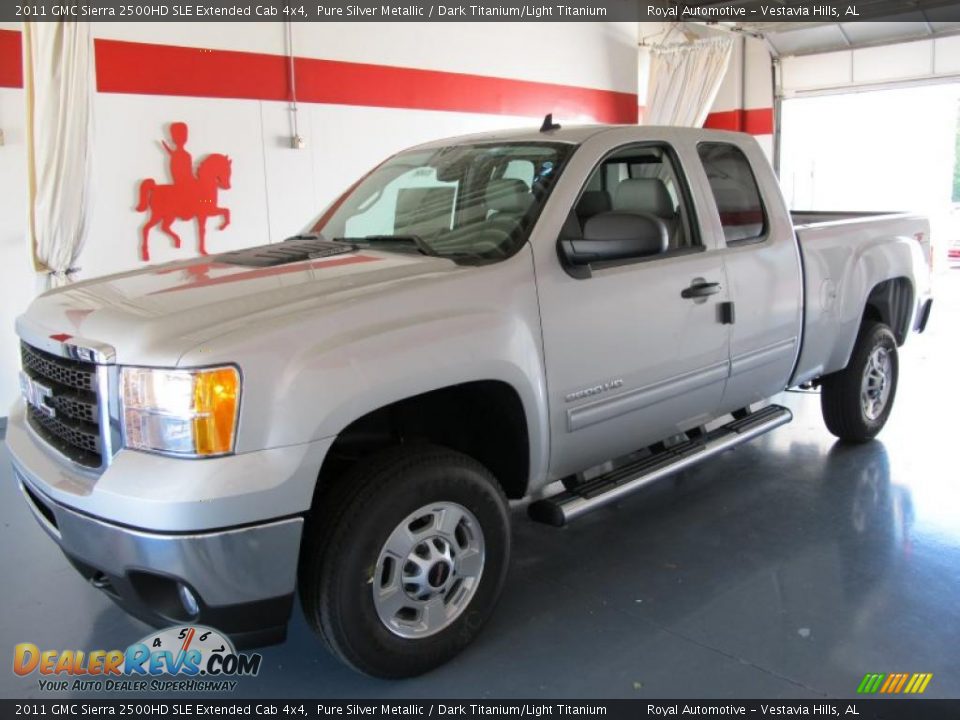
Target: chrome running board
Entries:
(604, 489)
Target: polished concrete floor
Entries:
(787, 568)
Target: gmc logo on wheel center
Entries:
(36, 393)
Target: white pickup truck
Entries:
(497, 316)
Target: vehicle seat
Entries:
(741, 219)
(508, 199)
(649, 195)
(593, 202)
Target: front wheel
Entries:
(404, 571)
(857, 401)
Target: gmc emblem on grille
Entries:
(36, 394)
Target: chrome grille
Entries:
(68, 373)
(73, 426)
(76, 407)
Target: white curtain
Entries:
(60, 83)
(684, 79)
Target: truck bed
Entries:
(844, 255)
(821, 219)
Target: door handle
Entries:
(700, 289)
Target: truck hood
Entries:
(153, 316)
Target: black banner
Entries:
(743, 11)
(852, 709)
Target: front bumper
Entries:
(148, 528)
(241, 579)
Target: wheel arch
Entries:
(484, 419)
(891, 302)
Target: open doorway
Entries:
(876, 150)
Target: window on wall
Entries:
(735, 192)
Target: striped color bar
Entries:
(894, 683)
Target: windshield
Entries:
(463, 201)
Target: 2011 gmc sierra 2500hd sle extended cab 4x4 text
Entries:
(346, 413)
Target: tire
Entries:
(857, 400)
(367, 599)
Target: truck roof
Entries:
(576, 134)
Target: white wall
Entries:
(747, 83)
(276, 190)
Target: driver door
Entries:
(632, 355)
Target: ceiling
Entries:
(880, 22)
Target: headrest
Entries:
(593, 202)
(508, 196)
(644, 195)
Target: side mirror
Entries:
(616, 236)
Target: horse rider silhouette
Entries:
(189, 196)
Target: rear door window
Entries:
(735, 192)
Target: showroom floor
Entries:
(787, 568)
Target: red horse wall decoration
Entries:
(190, 196)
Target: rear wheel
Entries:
(857, 401)
(404, 568)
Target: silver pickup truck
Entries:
(561, 316)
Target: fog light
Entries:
(188, 600)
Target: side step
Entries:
(570, 504)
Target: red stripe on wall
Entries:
(11, 59)
(342, 83)
(729, 120)
(147, 69)
(151, 69)
(757, 121)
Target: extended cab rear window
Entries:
(735, 192)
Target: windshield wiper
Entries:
(409, 240)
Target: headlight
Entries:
(180, 412)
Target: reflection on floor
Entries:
(789, 567)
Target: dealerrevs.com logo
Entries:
(189, 658)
